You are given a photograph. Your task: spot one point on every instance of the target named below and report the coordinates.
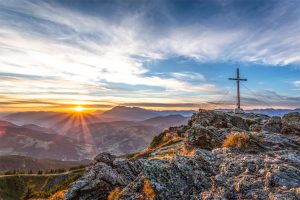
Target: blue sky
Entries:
(156, 54)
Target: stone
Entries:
(218, 120)
(105, 158)
(99, 180)
(273, 125)
(198, 167)
(202, 137)
(286, 176)
(291, 123)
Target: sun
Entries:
(79, 109)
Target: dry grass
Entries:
(236, 140)
(148, 190)
(163, 139)
(172, 140)
(115, 194)
(58, 195)
(188, 151)
(142, 153)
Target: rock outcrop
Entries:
(291, 123)
(216, 156)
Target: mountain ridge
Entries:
(81, 141)
(24, 164)
(216, 155)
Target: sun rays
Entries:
(75, 124)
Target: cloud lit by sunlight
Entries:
(53, 54)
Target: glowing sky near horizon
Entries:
(155, 54)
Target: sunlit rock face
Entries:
(215, 156)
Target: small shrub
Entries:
(115, 194)
(148, 190)
(157, 140)
(28, 193)
(236, 140)
(8, 173)
(60, 195)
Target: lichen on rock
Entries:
(263, 164)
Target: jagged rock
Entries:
(255, 117)
(134, 190)
(183, 177)
(286, 176)
(105, 158)
(291, 123)
(249, 174)
(255, 127)
(284, 196)
(218, 120)
(273, 125)
(199, 136)
(102, 178)
(292, 118)
(199, 168)
(278, 142)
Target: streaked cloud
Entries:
(50, 50)
(296, 83)
(192, 76)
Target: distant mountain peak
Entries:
(128, 113)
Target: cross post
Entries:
(238, 96)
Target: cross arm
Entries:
(240, 79)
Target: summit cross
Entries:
(238, 96)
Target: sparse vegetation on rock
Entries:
(148, 190)
(237, 140)
(115, 194)
(215, 156)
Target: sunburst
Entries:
(79, 109)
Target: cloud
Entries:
(189, 76)
(50, 49)
(93, 50)
(296, 83)
(163, 105)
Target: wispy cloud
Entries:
(47, 48)
(296, 83)
(191, 76)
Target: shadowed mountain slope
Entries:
(24, 164)
(124, 136)
(17, 140)
(215, 156)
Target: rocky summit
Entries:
(216, 155)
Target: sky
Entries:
(155, 54)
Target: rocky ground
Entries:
(215, 156)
